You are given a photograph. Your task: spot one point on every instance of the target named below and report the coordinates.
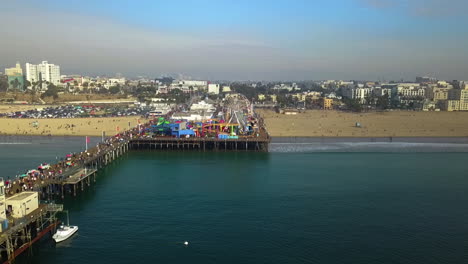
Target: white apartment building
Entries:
(213, 88)
(193, 83)
(49, 72)
(411, 91)
(185, 86)
(108, 83)
(381, 91)
(189, 85)
(283, 86)
(463, 84)
(356, 92)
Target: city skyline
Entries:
(284, 40)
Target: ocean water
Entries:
(360, 147)
(18, 154)
(281, 207)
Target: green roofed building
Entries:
(15, 77)
(16, 82)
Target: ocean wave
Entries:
(368, 147)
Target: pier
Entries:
(79, 179)
(79, 170)
(201, 144)
(25, 231)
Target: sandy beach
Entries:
(68, 127)
(375, 124)
(308, 124)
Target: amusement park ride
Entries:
(236, 120)
(207, 128)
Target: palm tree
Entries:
(16, 84)
(33, 91)
(27, 84)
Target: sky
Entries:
(267, 40)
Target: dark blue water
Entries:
(270, 208)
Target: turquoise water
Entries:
(277, 207)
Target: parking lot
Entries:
(70, 111)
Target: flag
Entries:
(88, 140)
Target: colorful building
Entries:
(15, 77)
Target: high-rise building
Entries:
(48, 72)
(31, 73)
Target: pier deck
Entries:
(79, 176)
(202, 144)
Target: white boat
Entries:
(64, 233)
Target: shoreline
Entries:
(326, 140)
(336, 124)
(414, 139)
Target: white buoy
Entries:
(186, 243)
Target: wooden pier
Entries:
(201, 144)
(80, 178)
(25, 231)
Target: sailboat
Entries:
(64, 232)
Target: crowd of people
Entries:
(45, 174)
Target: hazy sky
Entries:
(241, 39)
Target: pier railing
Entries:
(54, 207)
